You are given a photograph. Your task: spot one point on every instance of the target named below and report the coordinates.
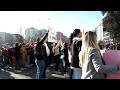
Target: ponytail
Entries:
(71, 40)
(74, 34)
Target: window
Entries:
(104, 29)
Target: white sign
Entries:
(52, 36)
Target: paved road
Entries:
(29, 73)
(10, 73)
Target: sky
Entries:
(63, 21)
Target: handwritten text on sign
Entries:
(52, 35)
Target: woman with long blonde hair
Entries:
(91, 59)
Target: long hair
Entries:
(74, 34)
(64, 46)
(89, 42)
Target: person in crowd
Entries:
(18, 57)
(49, 44)
(101, 44)
(46, 58)
(93, 66)
(118, 46)
(23, 56)
(32, 56)
(2, 63)
(56, 51)
(69, 51)
(10, 56)
(5, 55)
(75, 44)
(52, 54)
(1, 58)
(28, 55)
(39, 55)
(13, 57)
(64, 57)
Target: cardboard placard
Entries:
(112, 57)
(52, 36)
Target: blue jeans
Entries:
(40, 68)
(76, 74)
(28, 60)
(5, 60)
(64, 66)
(18, 63)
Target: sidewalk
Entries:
(59, 74)
(28, 73)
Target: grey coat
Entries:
(94, 68)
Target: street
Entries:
(29, 73)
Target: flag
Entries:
(61, 36)
(25, 42)
(31, 43)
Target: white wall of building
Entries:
(2, 37)
(99, 32)
(30, 32)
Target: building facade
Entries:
(106, 37)
(102, 34)
(6, 39)
(2, 38)
(30, 33)
(99, 32)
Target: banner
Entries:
(112, 57)
(52, 36)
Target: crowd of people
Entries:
(113, 46)
(81, 54)
(19, 56)
(41, 54)
(86, 59)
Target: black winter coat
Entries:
(76, 48)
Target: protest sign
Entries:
(52, 35)
(112, 57)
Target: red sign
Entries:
(25, 42)
(62, 36)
